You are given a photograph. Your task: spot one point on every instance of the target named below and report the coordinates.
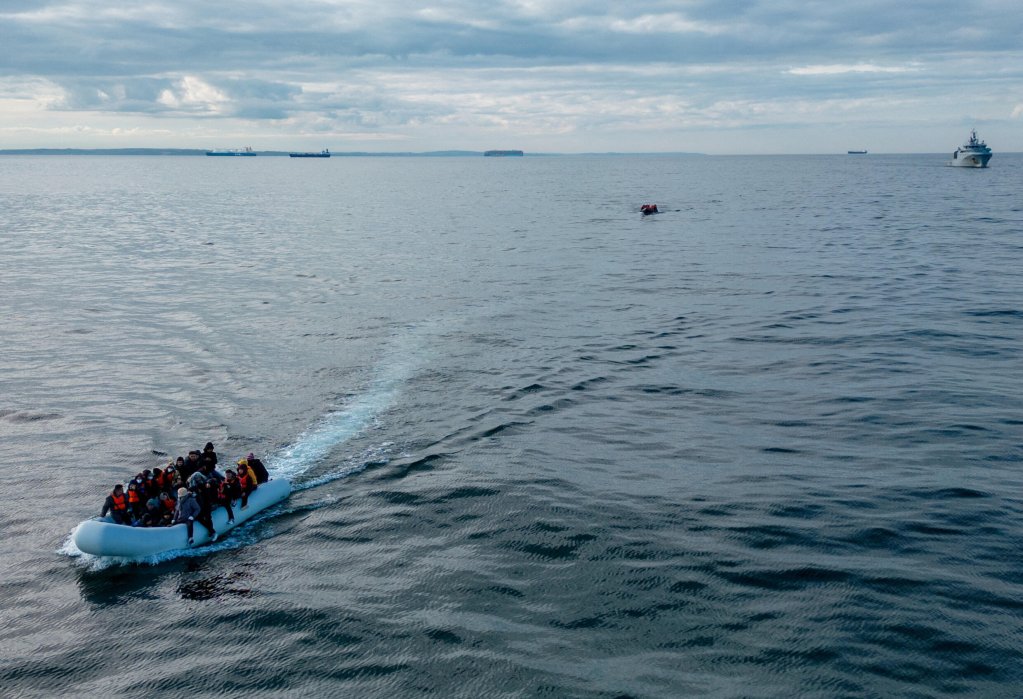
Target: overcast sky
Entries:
(712, 76)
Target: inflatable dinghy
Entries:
(100, 536)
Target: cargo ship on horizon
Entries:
(325, 153)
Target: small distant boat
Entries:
(974, 154)
(857, 152)
(325, 153)
(502, 153)
(232, 151)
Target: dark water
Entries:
(766, 444)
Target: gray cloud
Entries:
(522, 65)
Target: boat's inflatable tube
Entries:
(101, 537)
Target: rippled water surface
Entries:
(765, 444)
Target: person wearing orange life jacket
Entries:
(247, 480)
(135, 504)
(117, 505)
(166, 510)
(159, 482)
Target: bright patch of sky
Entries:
(712, 76)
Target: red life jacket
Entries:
(160, 481)
(243, 479)
(119, 503)
(133, 497)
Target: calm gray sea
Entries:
(767, 443)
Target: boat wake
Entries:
(299, 461)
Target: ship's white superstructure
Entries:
(975, 153)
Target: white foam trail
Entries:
(248, 533)
(310, 449)
(339, 426)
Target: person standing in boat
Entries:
(117, 505)
(211, 473)
(191, 465)
(210, 499)
(208, 454)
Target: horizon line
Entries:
(158, 151)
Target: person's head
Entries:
(208, 447)
(250, 457)
(152, 503)
(193, 455)
(229, 475)
(132, 486)
(118, 489)
(180, 461)
(182, 492)
(164, 497)
(242, 463)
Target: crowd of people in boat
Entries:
(186, 491)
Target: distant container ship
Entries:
(857, 152)
(232, 151)
(502, 153)
(325, 153)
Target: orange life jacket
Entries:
(119, 503)
(133, 497)
(243, 479)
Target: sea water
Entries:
(765, 443)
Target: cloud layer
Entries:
(562, 75)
